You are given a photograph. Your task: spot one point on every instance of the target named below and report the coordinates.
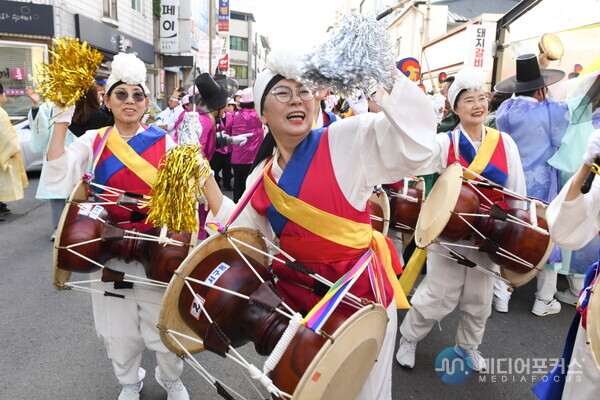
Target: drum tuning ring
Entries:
(326, 336)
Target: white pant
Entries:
(379, 383)
(546, 286)
(583, 379)
(128, 326)
(446, 285)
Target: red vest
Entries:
(498, 159)
(330, 260)
(125, 179)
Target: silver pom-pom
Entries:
(189, 130)
(358, 52)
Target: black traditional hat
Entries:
(212, 95)
(529, 76)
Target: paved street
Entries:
(49, 349)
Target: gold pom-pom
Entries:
(178, 189)
(71, 73)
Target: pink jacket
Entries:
(245, 121)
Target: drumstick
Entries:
(587, 184)
(391, 10)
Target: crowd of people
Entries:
(312, 159)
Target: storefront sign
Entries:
(480, 39)
(26, 18)
(223, 16)
(111, 40)
(18, 74)
(169, 26)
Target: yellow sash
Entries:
(336, 229)
(484, 154)
(132, 160)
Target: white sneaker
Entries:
(131, 392)
(53, 236)
(541, 308)
(500, 305)
(175, 389)
(567, 297)
(479, 363)
(406, 353)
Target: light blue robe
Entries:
(41, 131)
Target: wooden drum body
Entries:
(447, 198)
(87, 231)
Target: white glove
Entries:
(439, 101)
(63, 114)
(358, 103)
(240, 140)
(593, 149)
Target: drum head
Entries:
(169, 317)
(593, 324)
(340, 369)
(438, 206)
(381, 199)
(552, 46)
(518, 279)
(78, 195)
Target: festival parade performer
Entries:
(447, 283)
(574, 220)
(316, 183)
(124, 156)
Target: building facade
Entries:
(27, 29)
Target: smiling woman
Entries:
(124, 157)
(496, 157)
(303, 177)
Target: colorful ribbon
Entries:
(315, 319)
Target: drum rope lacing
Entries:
(295, 320)
(533, 204)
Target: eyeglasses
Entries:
(284, 94)
(122, 95)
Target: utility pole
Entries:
(211, 33)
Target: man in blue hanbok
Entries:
(537, 124)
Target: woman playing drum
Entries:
(448, 283)
(329, 173)
(128, 153)
(574, 220)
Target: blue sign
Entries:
(453, 365)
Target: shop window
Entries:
(238, 43)
(241, 71)
(136, 5)
(17, 70)
(110, 9)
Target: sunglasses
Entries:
(122, 95)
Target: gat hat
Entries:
(468, 78)
(213, 95)
(529, 76)
(127, 68)
(247, 96)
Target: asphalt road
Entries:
(49, 350)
